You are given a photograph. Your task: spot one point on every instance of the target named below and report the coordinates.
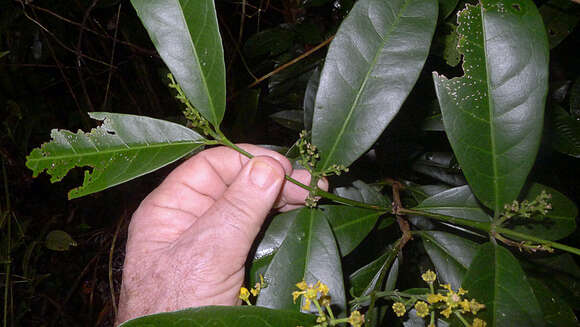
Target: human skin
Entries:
(189, 239)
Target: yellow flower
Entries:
(478, 323)
(310, 292)
(323, 288)
(356, 319)
(429, 276)
(446, 312)
(244, 294)
(399, 309)
(434, 298)
(422, 309)
(258, 287)
(475, 306)
(465, 307)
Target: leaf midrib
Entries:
(362, 87)
(117, 150)
(490, 103)
(194, 50)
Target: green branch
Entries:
(482, 226)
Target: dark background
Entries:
(68, 58)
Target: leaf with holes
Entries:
(371, 66)
(124, 147)
(187, 37)
(493, 115)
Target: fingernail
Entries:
(262, 174)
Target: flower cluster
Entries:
(245, 293)
(190, 113)
(325, 318)
(527, 209)
(446, 300)
(308, 152)
(310, 292)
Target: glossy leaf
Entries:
(496, 279)
(561, 273)
(565, 132)
(371, 277)
(187, 37)
(224, 316)
(273, 238)
(371, 66)
(446, 7)
(450, 254)
(493, 115)
(456, 202)
(4, 53)
(292, 119)
(557, 313)
(308, 252)
(350, 224)
(310, 98)
(124, 147)
(360, 191)
(558, 223)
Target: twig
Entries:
(286, 65)
(111, 252)
(403, 223)
(64, 46)
(79, 55)
(129, 44)
(112, 59)
(291, 62)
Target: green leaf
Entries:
(493, 114)
(310, 98)
(562, 273)
(308, 253)
(269, 42)
(360, 191)
(292, 119)
(270, 243)
(565, 132)
(446, 7)
(558, 223)
(224, 316)
(456, 202)
(560, 18)
(371, 277)
(58, 240)
(445, 44)
(496, 279)
(557, 313)
(371, 66)
(124, 147)
(450, 254)
(350, 225)
(4, 53)
(187, 37)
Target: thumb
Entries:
(249, 199)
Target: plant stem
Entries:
(315, 190)
(386, 294)
(483, 226)
(487, 227)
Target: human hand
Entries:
(189, 239)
